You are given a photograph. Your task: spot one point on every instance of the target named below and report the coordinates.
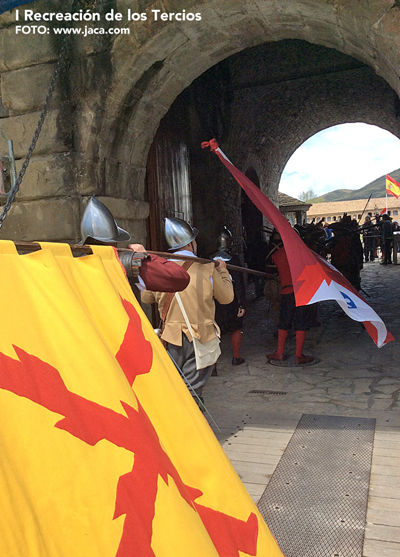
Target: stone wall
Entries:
(109, 103)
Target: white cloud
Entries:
(348, 156)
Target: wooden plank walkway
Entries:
(256, 449)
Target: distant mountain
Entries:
(377, 188)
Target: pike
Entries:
(359, 220)
(202, 260)
(83, 249)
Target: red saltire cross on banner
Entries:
(36, 380)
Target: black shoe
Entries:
(238, 361)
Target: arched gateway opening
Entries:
(261, 105)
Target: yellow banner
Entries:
(103, 451)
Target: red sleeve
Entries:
(161, 275)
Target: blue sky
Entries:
(348, 156)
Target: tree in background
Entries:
(308, 195)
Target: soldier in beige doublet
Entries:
(207, 281)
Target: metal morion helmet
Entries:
(178, 233)
(225, 239)
(98, 225)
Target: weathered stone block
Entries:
(247, 32)
(7, 18)
(47, 220)
(124, 209)
(47, 177)
(83, 119)
(54, 137)
(19, 51)
(137, 230)
(167, 86)
(89, 42)
(4, 112)
(179, 5)
(131, 180)
(188, 62)
(25, 90)
(167, 40)
(123, 6)
(147, 115)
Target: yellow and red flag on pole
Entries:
(103, 451)
(392, 187)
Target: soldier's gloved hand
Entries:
(132, 259)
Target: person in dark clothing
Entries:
(387, 238)
(346, 250)
(368, 233)
(229, 317)
(257, 253)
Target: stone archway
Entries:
(175, 56)
(101, 130)
(261, 104)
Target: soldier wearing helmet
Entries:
(230, 316)
(207, 282)
(98, 227)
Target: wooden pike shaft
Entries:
(29, 247)
(81, 249)
(200, 260)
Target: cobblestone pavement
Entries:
(352, 377)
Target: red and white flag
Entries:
(314, 279)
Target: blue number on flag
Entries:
(350, 303)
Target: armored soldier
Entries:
(207, 282)
(230, 316)
(98, 227)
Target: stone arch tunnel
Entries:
(131, 110)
